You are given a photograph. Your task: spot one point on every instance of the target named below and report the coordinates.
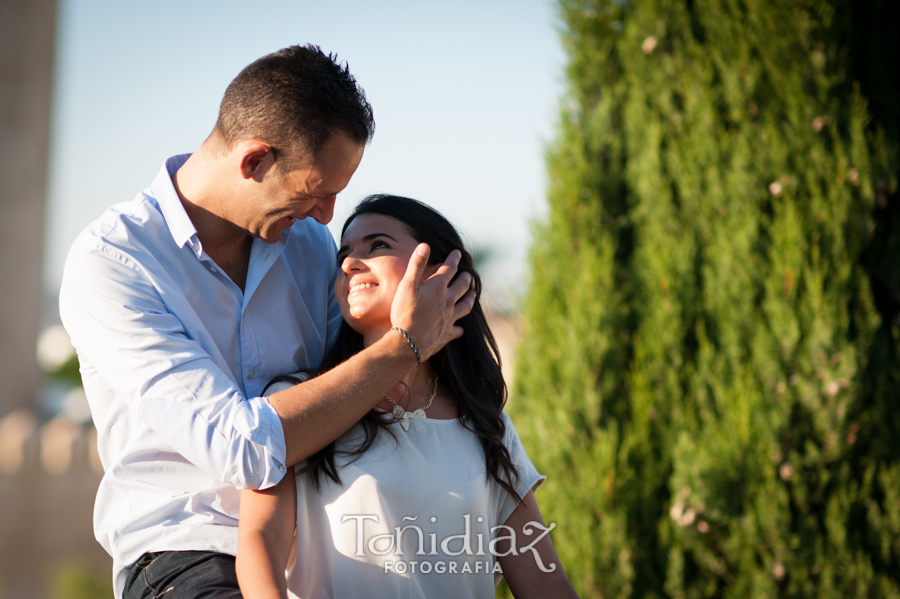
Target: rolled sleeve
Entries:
(249, 453)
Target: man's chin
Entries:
(271, 236)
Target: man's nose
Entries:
(323, 211)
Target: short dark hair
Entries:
(294, 99)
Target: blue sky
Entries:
(465, 96)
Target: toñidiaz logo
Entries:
(502, 541)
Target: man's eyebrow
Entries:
(368, 237)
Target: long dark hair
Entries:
(468, 366)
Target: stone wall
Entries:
(49, 475)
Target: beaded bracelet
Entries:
(410, 341)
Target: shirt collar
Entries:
(180, 225)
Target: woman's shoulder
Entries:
(510, 434)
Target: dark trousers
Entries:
(183, 575)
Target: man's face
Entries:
(309, 190)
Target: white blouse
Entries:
(414, 517)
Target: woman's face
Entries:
(373, 258)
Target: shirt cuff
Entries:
(245, 449)
(269, 434)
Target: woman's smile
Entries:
(361, 286)
(373, 258)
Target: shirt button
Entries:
(251, 374)
(281, 468)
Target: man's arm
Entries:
(319, 411)
(122, 328)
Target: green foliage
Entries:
(75, 582)
(69, 372)
(712, 346)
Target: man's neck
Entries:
(199, 187)
(234, 259)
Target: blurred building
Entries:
(26, 75)
(47, 475)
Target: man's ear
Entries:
(256, 158)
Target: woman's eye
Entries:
(377, 245)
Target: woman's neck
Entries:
(416, 386)
(414, 389)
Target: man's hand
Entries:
(428, 309)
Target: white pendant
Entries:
(404, 416)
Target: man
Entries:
(185, 302)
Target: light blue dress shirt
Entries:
(174, 359)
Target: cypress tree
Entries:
(712, 345)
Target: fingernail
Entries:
(422, 250)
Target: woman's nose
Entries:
(351, 264)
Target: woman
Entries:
(431, 494)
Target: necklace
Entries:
(404, 416)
